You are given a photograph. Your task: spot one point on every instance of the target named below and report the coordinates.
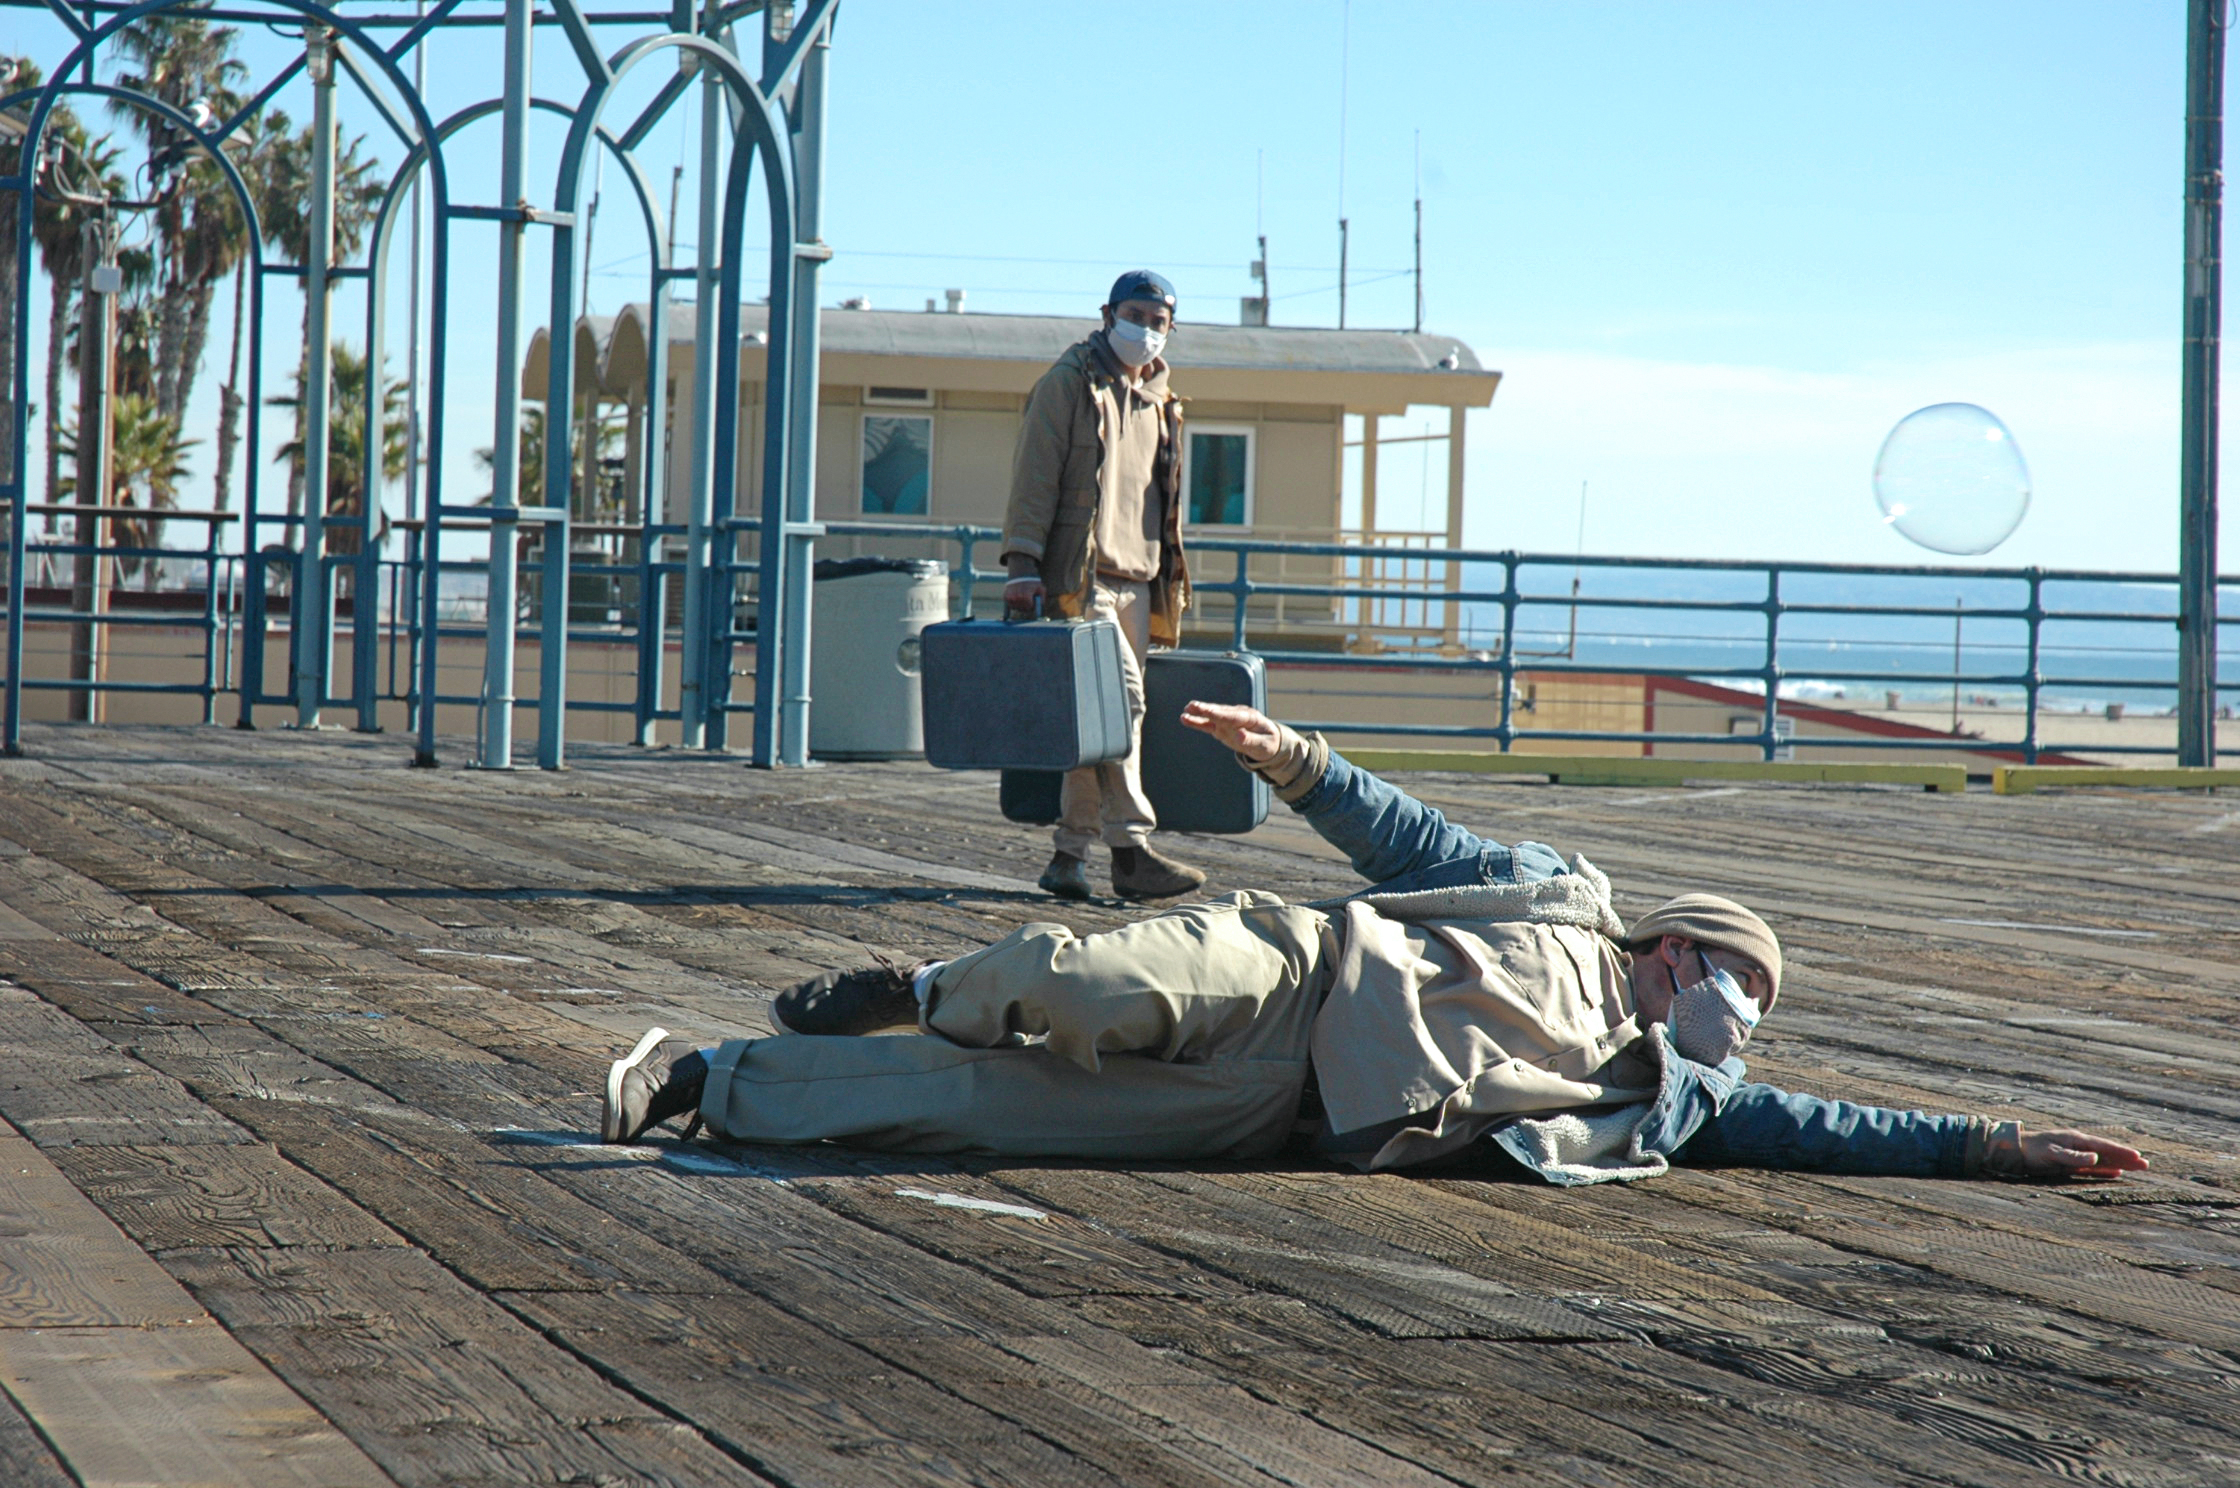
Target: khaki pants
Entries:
(1107, 801)
(1184, 1035)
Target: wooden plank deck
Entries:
(322, 1035)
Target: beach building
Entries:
(918, 412)
(1287, 435)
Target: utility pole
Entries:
(2197, 502)
(97, 336)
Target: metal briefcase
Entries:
(1036, 694)
(1193, 783)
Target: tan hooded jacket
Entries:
(1057, 483)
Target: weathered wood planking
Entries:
(392, 992)
(126, 1378)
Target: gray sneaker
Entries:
(646, 1087)
(1067, 877)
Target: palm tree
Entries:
(279, 176)
(188, 63)
(148, 460)
(85, 168)
(251, 147)
(347, 493)
(529, 482)
(16, 73)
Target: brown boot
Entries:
(1067, 877)
(1142, 873)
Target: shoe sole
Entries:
(611, 1118)
(1141, 894)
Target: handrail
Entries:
(1508, 599)
(1492, 599)
(161, 513)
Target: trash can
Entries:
(863, 672)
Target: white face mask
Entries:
(1135, 345)
(1711, 1019)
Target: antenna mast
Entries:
(1259, 314)
(1345, 75)
(1419, 230)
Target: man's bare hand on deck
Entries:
(2076, 1154)
(1248, 731)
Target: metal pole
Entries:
(398, 614)
(1959, 610)
(505, 464)
(1419, 231)
(1343, 233)
(1772, 742)
(412, 311)
(314, 606)
(692, 663)
(2197, 502)
(97, 336)
(801, 469)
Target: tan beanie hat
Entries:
(1715, 922)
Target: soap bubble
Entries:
(1951, 478)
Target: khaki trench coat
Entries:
(1057, 484)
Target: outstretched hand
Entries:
(2076, 1154)
(1248, 731)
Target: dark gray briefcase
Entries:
(1194, 781)
(1035, 695)
(1195, 785)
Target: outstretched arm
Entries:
(1759, 1126)
(1384, 831)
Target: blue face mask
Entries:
(1133, 344)
(1711, 1018)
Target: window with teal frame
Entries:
(1218, 476)
(897, 464)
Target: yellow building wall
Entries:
(972, 461)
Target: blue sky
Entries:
(1717, 248)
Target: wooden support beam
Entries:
(2021, 780)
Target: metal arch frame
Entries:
(782, 113)
(752, 105)
(385, 221)
(17, 491)
(788, 528)
(89, 42)
(790, 403)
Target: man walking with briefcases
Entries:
(1094, 530)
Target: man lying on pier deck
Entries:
(1475, 994)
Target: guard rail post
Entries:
(1505, 732)
(1770, 740)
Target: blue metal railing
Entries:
(1503, 603)
(1490, 604)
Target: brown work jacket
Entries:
(1057, 482)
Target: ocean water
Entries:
(2101, 641)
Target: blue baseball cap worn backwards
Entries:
(1142, 284)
